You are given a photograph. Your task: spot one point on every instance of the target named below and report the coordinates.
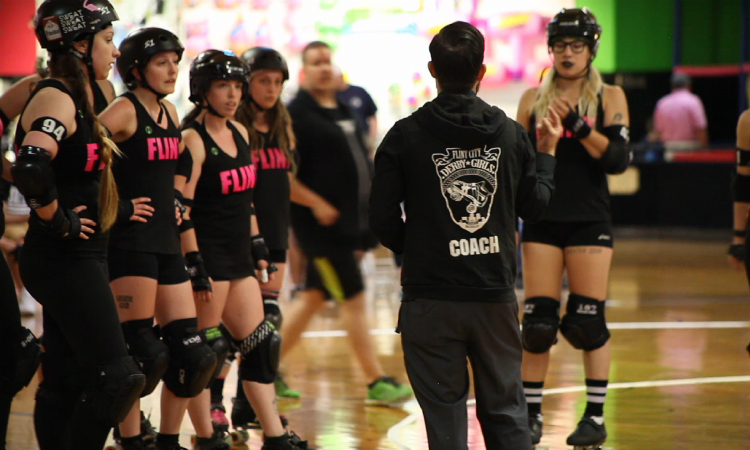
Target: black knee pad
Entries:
(272, 309)
(261, 352)
(191, 360)
(146, 346)
(112, 391)
(584, 325)
(220, 345)
(29, 358)
(541, 319)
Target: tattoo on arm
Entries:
(617, 118)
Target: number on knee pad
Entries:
(191, 362)
(584, 325)
(29, 358)
(260, 354)
(146, 346)
(541, 319)
(219, 345)
(113, 390)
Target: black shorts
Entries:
(569, 234)
(336, 273)
(165, 269)
(278, 256)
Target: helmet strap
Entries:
(159, 95)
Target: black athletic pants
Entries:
(81, 332)
(10, 330)
(438, 337)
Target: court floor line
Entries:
(612, 326)
(395, 431)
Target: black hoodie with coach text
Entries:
(464, 172)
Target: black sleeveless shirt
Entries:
(224, 193)
(147, 169)
(77, 168)
(272, 192)
(581, 189)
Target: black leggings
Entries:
(81, 332)
(10, 330)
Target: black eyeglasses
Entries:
(575, 46)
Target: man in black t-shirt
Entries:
(362, 105)
(329, 216)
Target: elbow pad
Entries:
(617, 157)
(34, 177)
(185, 164)
(741, 188)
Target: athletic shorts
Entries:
(336, 273)
(166, 269)
(278, 256)
(569, 234)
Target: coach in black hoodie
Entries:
(464, 171)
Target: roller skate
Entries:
(148, 437)
(386, 391)
(590, 434)
(244, 419)
(135, 443)
(535, 428)
(216, 442)
(287, 441)
(219, 418)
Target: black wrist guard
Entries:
(738, 233)
(64, 224)
(125, 210)
(259, 250)
(576, 124)
(197, 271)
(737, 251)
(179, 202)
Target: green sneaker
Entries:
(386, 391)
(282, 389)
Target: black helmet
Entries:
(258, 58)
(215, 65)
(575, 22)
(139, 47)
(60, 23)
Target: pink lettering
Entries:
(225, 181)
(160, 147)
(174, 148)
(263, 159)
(236, 181)
(92, 156)
(282, 163)
(151, 148)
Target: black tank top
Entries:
(77, 167)
(224, 192)
(581, 189)
(147, 169)
(271, 195)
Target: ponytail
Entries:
(66, 66)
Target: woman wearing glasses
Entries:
(575, 233)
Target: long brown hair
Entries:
(67, 67)
(280, 127)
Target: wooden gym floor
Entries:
(680, 321)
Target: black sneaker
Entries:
(590, 434)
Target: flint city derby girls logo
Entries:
(468, 180)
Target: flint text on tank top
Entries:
(271, 158)
(238, 180)
(160, 148)
(92, 157)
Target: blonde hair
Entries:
(587, 104)
(64, 65)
